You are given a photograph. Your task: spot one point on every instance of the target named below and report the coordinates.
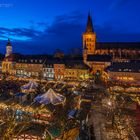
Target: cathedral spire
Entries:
(9, 42)
(89, 27)
(8, 48)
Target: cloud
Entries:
(44, 24)
(107, 33)
(20, 32)
(64, 33)
(116, 4)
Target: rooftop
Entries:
(99, 58)
(132, 66)
(116, 45)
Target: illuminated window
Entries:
(125, 70)
(131, 78)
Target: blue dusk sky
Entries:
(42, 26)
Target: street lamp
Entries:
(109, 103)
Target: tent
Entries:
(50, 97)
(72, 113)
(117, 88)
(31, 86)
(21, 96)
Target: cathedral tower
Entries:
(89, 39)
(8, 48)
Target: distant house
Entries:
(59, 69)
(48, 70)
(99, 62)
(8, 64)
(76, 70)
(30, 66)
(124, 71)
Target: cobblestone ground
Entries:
(98, 121)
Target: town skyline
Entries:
(69, 70)
(62, 26)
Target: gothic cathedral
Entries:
(89, 40)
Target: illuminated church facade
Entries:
(118, 50)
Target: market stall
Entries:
(50, 97)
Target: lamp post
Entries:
(111, 107)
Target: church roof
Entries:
(12, 57)
(74, 64)
(99, 58)
(1, 57)
(116, 45)
(31, 59)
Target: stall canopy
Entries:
(50, 97)
(30, 86)
(19, 94)
(72, 113)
